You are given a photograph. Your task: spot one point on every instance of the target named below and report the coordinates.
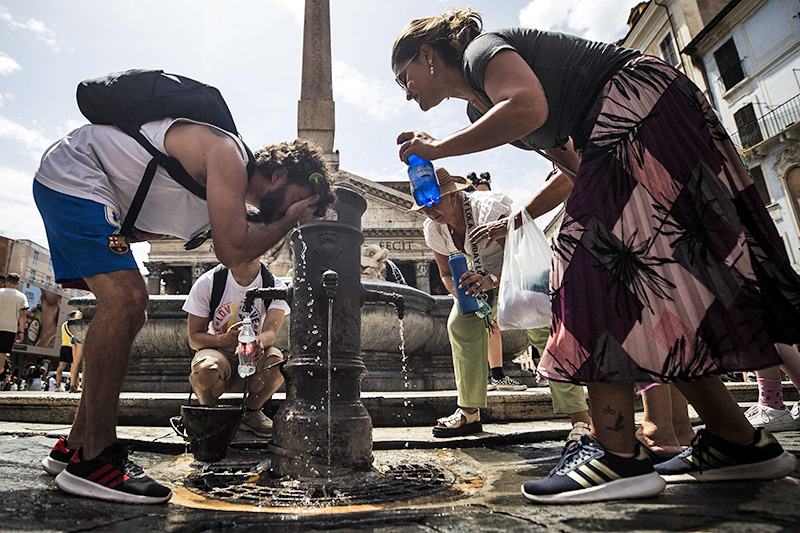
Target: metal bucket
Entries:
(209, 430)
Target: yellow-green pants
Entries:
(568, 398)
(469, 342)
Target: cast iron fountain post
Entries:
(310, 441)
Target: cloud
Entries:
(295, 8)
(600, 20)
(33, 140)
(377, 100)
(38, 29)
(21, 220)
(7, 64)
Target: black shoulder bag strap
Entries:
(170, 164)
(485, 299)
(220, 279)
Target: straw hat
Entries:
(447, 184)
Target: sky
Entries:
(251, 50)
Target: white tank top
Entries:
(105, 165)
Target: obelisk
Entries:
(315, 110)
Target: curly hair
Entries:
(449, 34)
(305, 165)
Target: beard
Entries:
(271, 204)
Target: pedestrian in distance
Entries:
(13, 305)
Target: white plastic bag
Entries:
(524, 299)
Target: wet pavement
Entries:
(483, 477)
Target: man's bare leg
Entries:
(121, 304)
(75, 368)
(62, 365)
(264, 385)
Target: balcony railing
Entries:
(769, 125)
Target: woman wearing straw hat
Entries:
(446, 230)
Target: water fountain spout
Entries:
(330, 282)
(387, 297)
(272, 293)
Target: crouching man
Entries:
(215, 306)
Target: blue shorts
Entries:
(83, 237)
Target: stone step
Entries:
(388, 409)
(161, 439)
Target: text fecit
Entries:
(396, 245)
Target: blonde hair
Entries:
(449, 34)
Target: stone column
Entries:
(198, 269)
(422, 269)
(155, 269)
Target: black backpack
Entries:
(134, 97)
(220, 277)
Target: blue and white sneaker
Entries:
(711, 458)
(586, 473)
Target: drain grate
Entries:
(244, 485)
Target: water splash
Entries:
(328, 395)
(404, 359)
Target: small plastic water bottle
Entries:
(424, 185)
(247, 346)
(458, 265)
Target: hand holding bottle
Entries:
(458, 266)
(247, 349)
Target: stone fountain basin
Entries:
(161, 354)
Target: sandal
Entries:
(458, 424)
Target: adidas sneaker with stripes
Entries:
(587, 473)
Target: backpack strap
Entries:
(220, 278)
(170, 164)
(267, 282)
(173, 168)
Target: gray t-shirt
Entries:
(572, 71)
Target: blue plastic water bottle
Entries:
(458, 265)
(424, 185)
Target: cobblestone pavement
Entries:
(484, 497)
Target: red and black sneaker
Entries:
(59, 457)
(111, 476)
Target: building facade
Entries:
(751, 56)
(664, 28)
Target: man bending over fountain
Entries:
(213, 333)
(83, 188)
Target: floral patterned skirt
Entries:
(667, 266)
